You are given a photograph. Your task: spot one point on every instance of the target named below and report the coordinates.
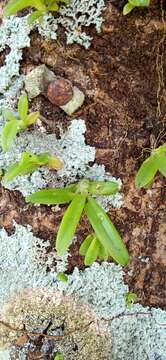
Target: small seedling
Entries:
(135, 3)
(30, 162)
(130, 299)
(41, 7)
(155, 162)
(62, 277)
(106, 241)
(91, 249)
(59, 356)
(16, 123)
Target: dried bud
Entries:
(60, 92)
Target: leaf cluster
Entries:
(41, 7)
(155, 162)
(131, 4)
(17, 123)
(30, 162)
(106, 240)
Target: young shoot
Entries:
(17, 122)
(130, 299)
(131, 4)
(106, 240)
(30, 162)
(62, 277)
(91, 249)
(41, 7)
(59, 356)
(155, 162)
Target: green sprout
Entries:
(134, 3)
(41, 7)
(155, 162)
(59, 356)
(16, 123)
(92, 249)
(62, 277)
(30, 162)
(130, 299)
(106, 241)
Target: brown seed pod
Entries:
(60, 92)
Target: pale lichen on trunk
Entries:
(97, 293)
(137, 334)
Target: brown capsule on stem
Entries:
(60, 92)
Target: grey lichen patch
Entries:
(74, 18)
(48, 27)
(82, 335)
(9, 98)
(145, 336)
(14, 33)
(5, 354)
(137, 333)
(24, 262)
(101, 286)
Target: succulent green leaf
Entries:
(130, 299)
(103, 187)
(9, 133)
(51, 197)
(62, 277)
(140, 3)
(53, 7)
(146, 172)
(14, 6)
(161, 149)
(23, 107)
(8, 115)
(15, 170)
(34, 16)
(161, 163)
(59, 357)
(128, 8)
(85, 245)
(63, 1)
(103, 253)
(72, 187)
(92, 252)
(31, 118)
(41, 159)
(27, 165)
(69, 223)
(106, 232)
